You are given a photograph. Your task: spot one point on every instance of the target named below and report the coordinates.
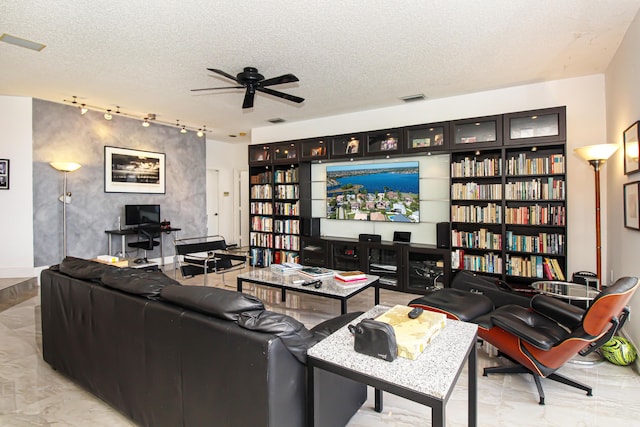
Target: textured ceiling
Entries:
(349, 55)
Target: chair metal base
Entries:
(519, 369)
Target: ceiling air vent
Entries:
(411, 98)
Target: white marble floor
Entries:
(32, 394)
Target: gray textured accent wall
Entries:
(60, 133)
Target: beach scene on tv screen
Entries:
(386, 192)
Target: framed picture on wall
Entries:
(631, 149)
(631, 205)
(133, 171)
(4, 174)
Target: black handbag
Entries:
(373, 338)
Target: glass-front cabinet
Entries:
(479, 132)
(383, 142)
(426, 268)
(427, 138)
(347, 146)
(385, 260)
(535, 127)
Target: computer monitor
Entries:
(141, 214)
(402, 236)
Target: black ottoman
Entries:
(456, 304)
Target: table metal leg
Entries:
(110, 245)
(343, 306)
(283, 295)
(473, 387)
(376, 295)
(239, 284)
(378, 400)
(438, 417)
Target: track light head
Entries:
(145, 123)
(183, 130)
(108, 115)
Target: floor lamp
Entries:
(65, 167)
(597, 155)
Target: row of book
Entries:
(475, 191)
(288, 175)
(486, 263)
(261, 178)
(287, 241)
(260, 257)
(287, 226)
(546, 243)
(261, 208)
(535, 266)
(521, 165)
(287, 191)
(491, 213)
(286, 257)
(536, 189)
(537, 215)
(262, 223)
(263, 191)
(286, 208)
(477, 239)
(261, 239)
(472, 167)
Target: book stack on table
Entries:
(350, 276)
(285, 268)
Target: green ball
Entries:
(619, 351)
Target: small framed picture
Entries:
(631, 149)
(4, 174)
(631, 205)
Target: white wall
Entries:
(16, 204)
(229, 160)
(623, 108)
(584, 98)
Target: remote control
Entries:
(316, 283)
(415, 313)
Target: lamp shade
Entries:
(65, 166)
(596, 152)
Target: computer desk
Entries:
(123, 233)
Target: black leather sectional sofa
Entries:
(170, 355)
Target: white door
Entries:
(212, 202)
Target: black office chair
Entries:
(146, 242)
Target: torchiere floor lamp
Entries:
(597, 155)
(65, 167)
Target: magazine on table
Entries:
(316, 272)
(350, 276)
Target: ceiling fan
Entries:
(254, 81)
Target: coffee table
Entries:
(428, 380)
(329, 288)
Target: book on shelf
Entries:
(350, 276)
(316, 272)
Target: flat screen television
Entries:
(387, 192)
(141, 214)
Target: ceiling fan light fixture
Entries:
(412, 98)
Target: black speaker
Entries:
(443, 235)
(311, 227)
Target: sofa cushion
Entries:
(217, 302)
(84, 269)
(295, 336)
(134, 281)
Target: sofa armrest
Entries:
(326, 328)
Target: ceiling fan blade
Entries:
(285, 78)
(248, 97)
(218, 88)
(281, 94)
(222, 73)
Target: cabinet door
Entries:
(383, 143)
(314, 149)
(476, 133)
(535, 127)
(385, 261)
(347, 146)
(314, 252)
(426, 269)
(345, 256)
(427, 138)
(286, 152)
(260, 154)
